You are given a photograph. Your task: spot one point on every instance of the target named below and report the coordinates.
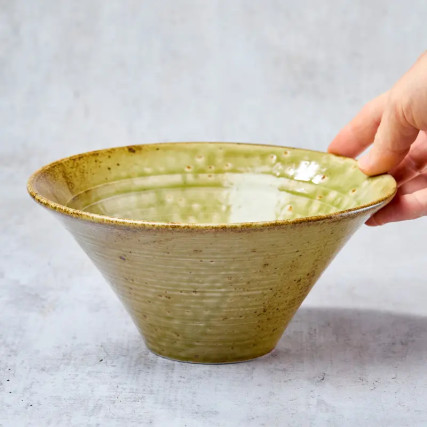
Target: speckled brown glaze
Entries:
(200, 292)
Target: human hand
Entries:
(395, 123)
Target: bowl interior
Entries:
(208, 183)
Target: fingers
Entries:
(402, 207)
(415, 184)
(392, 142)
(357, 135)
(415, 161)
(411, 200)
(396, 125)
(404, 116)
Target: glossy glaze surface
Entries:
(202, 183)
(216, 291)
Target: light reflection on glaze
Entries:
(215, 183)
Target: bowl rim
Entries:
(105, 219)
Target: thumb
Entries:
(392, 142)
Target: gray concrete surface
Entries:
(76, 76)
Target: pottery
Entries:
(211, 247)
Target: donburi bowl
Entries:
(211, 247)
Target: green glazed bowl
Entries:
(211, 247)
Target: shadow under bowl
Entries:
(211, 247)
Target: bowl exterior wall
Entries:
(214, 295)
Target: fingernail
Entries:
(364, 162)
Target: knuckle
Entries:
(415, 164)
(420, 204)
(401, 109)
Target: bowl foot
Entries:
(214, 360)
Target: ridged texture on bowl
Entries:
(213, 296)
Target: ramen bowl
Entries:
(211, 247)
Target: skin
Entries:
(395, 124)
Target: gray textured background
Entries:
(77, 76)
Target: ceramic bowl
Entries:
(212, 247)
